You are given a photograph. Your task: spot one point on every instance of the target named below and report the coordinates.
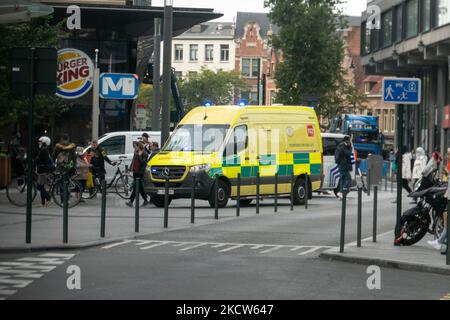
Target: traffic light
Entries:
(148, 76)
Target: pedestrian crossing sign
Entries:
(402, 90)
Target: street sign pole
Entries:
(95, 99)
(399, 167)
(156, 102)
(30, 150)
(167, 70)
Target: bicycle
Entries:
(120, 181)
(73, 186)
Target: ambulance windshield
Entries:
(198, 138)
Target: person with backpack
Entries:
(343, 158)
(44, 166)
(64, 156)
(138, 166)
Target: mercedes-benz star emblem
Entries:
(166, 172)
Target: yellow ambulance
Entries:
(224, 141)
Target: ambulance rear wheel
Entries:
(223, 195)
(299, 192)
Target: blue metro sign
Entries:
(119, 86)
(402, 90)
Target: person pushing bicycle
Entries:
(98, 158)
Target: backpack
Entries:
(63, 159)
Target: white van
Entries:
(330, 142)
(119, 145)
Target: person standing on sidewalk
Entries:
(44, 166)
(343, 158)
(138, 165)
(406, 169)
(98, 158)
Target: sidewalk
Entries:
(420, 257)
(84, 223)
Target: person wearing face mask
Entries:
(44, 166)
(82, 168)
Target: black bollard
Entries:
(216, 198)
(238, 203)
(65, 211)
(306, 191)
(193, 200)
(258, 181)
(292, 191)
(375, 213)
(343, 213)
(166, 204)
(276, 193)
(448, 231)
(359, 227)
(136, 204)
(103, 210)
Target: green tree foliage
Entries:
(36, 33)
(313, 52)
(218, 87)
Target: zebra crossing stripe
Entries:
(297, 248)
(232, 248)
(155, 245)
(314, 249)
(271, 249)
(193, 247)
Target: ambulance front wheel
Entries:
(299, 192)
(223, 195)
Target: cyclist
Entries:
(44, 166)
(98, 158)
(64, 156)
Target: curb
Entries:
(395, 264)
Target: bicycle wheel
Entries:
(74, 193)
(16, 192)
(123, 187)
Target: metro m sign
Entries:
(119, 86)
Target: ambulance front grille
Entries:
(164, 172)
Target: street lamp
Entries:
(421, 46)
(372, 62)
(395, 55)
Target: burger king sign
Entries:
(74, 73)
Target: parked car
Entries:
(119, 145)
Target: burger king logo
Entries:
(74, 73)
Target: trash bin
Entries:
(5, 171)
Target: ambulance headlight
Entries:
(201, 167)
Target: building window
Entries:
(412, 18)
(386, 120)
(250, 67)
(387, 29)
(209, 52)
(399, 23)
(178, 52)
(443, 12)
(192, 74)
(426, 15)
(365, 39)
(369, 86)
(224, 52)
(193, 52)
(250, 96)
(392, 120)
(179, 75)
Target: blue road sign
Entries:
(402, 90)
(119, 86)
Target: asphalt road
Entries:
(267, 256)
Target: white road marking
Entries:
(309, 251)
(297, 248)
(22, 272)
(155, 245)
(231, 248)
(271, 249)
(258, 246)
(180, 244)
(354, 243)
(220, 245)
(117, 244)
(195, 246)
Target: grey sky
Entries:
(230, 7)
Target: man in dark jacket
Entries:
(343, 159)
(98, 158)
(138, 165)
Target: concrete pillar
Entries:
(432, 110)
(441, 99)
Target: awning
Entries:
(14, 11)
